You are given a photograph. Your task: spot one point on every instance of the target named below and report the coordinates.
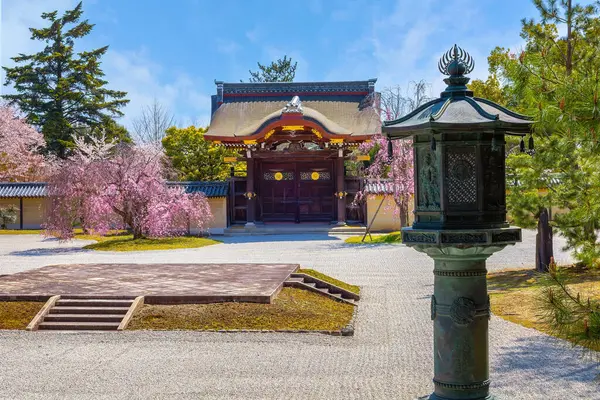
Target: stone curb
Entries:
(348, 330)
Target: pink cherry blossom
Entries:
(20, 145)
(106, 186)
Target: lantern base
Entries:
(424, 238)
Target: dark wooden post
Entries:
(544, 245)
(21, 213)
(341, 202)
(250, 195)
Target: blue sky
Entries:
(173, 50)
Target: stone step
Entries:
(319, 284)
(79, 326)
(95, 297)
(324, 291)
(94, 303)
(84, 317)
(88, 310)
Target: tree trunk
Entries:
(569, 63)
(543, 243)
(403, 216)
(137, 233)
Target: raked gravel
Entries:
(388, 358)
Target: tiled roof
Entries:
(38, 189)
(22, 189)
(210, 189)
(295, 87)
(341, 117)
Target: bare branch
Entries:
(151, 125)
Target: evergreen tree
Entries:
(556, 80)
(59, 90)
(569, 314)
(281, 70)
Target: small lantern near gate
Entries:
(460, 218)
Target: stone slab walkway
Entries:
(390, 356)
(160, 283)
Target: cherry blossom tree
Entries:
(395, 169)
(20, 145)
(105, 186)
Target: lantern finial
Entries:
(456, 63)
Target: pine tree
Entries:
(567, 313)
(281, 70)
(556, 80)
(59, 90)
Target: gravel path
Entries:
(389, 356)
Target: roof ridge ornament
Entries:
(294, 106)
(456, 63)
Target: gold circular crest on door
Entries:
(314, 176)
(278, 176)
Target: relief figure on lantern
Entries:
(429, 189)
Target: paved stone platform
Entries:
(159, 283)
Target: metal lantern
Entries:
(460, 218)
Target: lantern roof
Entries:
(457, 108)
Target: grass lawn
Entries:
(125, 242)
(394, 237)
(21, 232)
(293, 309)
(18, 314)
(515, 294)
(333, 281)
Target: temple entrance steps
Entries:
(307, 282)
(85, 313)
(290, 228)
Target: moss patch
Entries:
(394, 237)
(20, 232)
(293, 309)
(333, 281)
(515, 294)
(127, 243)
(18, 314)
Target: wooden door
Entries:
(297, 191)
(277, 194)
(315, 191)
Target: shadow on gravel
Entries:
(550, 357)
(48, 252)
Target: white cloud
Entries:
(228, 47)
(404, 43)
(254, 34)
(132, 71)
(16, 19)
(144, 80)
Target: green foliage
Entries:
(394, 237)
(556, 80)
(8, 215)
(281, 70)
(569, 314)
(195, 158)
(489, 89)
(61, 91)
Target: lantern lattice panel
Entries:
(462, 181)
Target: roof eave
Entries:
(400, 132)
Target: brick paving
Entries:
(160, 283)
(389, 357)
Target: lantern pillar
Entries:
(460, 219)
